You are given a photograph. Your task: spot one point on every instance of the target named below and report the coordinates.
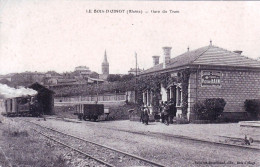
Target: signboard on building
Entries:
(210, 78)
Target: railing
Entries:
(108, 97)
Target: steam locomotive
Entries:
(21, 106)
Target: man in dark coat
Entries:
(161, 110)
(146, 115)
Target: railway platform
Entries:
(226, 133)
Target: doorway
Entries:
(173, 99)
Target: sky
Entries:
(55, 35)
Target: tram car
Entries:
(21, 106)
(89, 111)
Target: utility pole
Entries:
(135, 77)
(97, 91)
(135, 64)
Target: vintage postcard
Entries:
(129, 83)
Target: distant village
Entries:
(81, 75)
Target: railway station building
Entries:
(207, 72)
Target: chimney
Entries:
(156, 60)
(167, 56)
(238, 51)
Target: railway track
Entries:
(102, 154)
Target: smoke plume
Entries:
(8, 92)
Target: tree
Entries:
(82, 90)
(94, 75)
(113, 77)
(127, 77)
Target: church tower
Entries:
(105, 65)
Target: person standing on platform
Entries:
(161, 111)
(146, 115)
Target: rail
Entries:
(113, 149)
(75, 149)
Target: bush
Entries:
(199, 110)
(209, 109)
(121, 112)
(252, 106)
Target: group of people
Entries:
(167, 112)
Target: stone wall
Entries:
(236, 87)
(191, 94)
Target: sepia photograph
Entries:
(92, 83)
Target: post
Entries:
(135, 64)
(97, 91)
(135, 77)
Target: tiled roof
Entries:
(221, 57)
(208, 55)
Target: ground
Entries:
(20, 146)
(153, 142)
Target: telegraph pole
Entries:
(97, 91)
(135, 64)
(135, 77)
